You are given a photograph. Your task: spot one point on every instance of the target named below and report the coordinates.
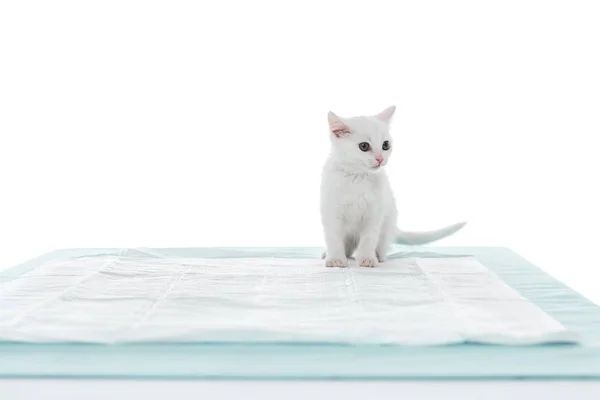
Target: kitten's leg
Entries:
(349, 247)
(365, 253)
(385, 240)
(335, 255)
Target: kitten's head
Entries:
(362, 144)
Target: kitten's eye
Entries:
(386, 145)
(364, 146)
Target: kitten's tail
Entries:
(417, 238)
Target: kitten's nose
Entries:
(379, 158)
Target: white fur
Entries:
(358, 209)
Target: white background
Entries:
(204, 123)
(299, 390)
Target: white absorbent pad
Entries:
(406, 301)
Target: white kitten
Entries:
(358, 209)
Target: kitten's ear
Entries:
(387, 114)
(337, 126)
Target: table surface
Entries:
(323, 362)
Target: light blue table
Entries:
(273, 361)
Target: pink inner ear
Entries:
(386, 115)
(339, 128)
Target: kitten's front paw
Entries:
(368, 261)
(336, 262)
(380, 258)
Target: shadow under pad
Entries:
(322, 361)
